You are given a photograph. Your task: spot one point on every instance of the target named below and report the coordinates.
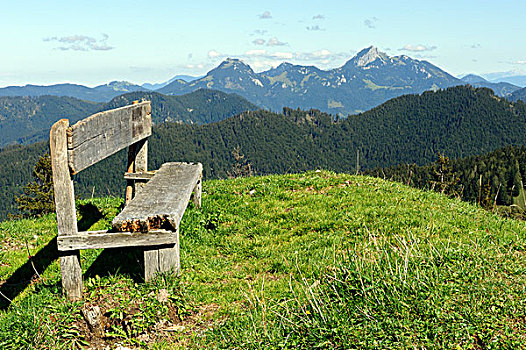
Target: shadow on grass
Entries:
(90, 215)
(26, 273)
(112, 261)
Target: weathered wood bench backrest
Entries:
(75, 148)
(105, 133)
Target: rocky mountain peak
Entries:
(367, 56)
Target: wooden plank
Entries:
(163, 200)
(197, 194)
(151, 264)
(169, 259)
(65, 208)
(105, 239)
(139, 176)
(162, 259)
(105, 133)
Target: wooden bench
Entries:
(155, 200)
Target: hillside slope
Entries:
(26, 120)
(287, 261)
(198, 107)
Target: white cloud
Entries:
(265, 15)
(256, 53)
(81, 43)
(275, 42)
(259, 41)
(195, 66)
(521, 62)
(283, 55)
(417, 48)
(214, 54)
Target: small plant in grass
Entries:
(131, 310)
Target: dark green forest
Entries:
(458, 122)
(26, 120)
(199, 107)
(496, 176)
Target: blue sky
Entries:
(94, 42)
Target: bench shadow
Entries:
(90, 215)
(122, 261)
(26, 274)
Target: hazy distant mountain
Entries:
(500, 89)
(507, 77)
(101, 93)
(368, 79)
(518, 95)
(185, 78)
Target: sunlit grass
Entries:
(310, 260)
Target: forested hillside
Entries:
(457, 122)
(26, 120)
(519, 95)
(494, 176)
(198, 107)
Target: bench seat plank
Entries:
(106, 239)
(162, 201)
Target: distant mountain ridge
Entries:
(184, 77)
(365, 81)
(502, 89)
(101, 93)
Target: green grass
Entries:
(314, 260)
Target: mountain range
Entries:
(501, 89)
(365, 81)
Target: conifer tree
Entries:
(38, 196)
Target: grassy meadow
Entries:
(313, 260)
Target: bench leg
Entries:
(161, 259)
(197, 194)
(71, 274)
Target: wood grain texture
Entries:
(151, 263)
(162, 259)
(65, 208)
(197, 194)
(105, 133)
(105, 239)
(162, 201)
